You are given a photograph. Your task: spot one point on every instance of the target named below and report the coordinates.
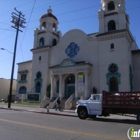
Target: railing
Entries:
(52, 104)
(68, 103)
(44, 102)
(121, 99)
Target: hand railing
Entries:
(68, 103)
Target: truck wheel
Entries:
(138, 117)
(82, 113)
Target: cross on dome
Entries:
(49, 10)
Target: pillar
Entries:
(52, 87)
(86, 85)
(60, 85)
(76, 87)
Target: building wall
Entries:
(23, 67)
(4, 88)
(94, 49)
(136, 70)
(120, 57)
(88, 52)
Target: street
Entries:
(23, 125)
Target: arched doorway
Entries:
(113, 84)
(69, 86)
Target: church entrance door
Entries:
(69, 86)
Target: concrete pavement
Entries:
(39, 110)
(63, 113)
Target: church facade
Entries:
(79, 64)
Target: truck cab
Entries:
(89, 108)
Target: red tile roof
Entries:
(49, 15)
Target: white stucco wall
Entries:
(118, 56)
(93, 49)
(136, 70)
(4, 88)
(21, 67)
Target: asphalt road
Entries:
(22, 125)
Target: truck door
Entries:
(95, 105)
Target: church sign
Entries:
(33, 97)
(80, 83)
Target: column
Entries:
(86, 85)
(52, 87)
(60, 86)
(76, 87)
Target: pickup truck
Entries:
(109, 103)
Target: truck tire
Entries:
(82, 113)
(138, 117)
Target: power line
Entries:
(49, 5)
(7, 29)
(44, 5)
(16, 6)
(27, 24)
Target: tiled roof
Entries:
(39, 47)
(78, 63)
(111, 32)
(49, 15)
(23, 71)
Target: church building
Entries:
(77, 64)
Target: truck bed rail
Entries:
(121, 100)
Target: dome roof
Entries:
(49, 14)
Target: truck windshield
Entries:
(95, 97)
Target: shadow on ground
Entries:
(125, 121)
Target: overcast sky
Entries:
(71, 14)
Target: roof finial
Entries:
(49, 10)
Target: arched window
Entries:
(38, 82)
(111, 25)
(54, 42)
(111, 6)
(54, 27)
(41, 42)
(112, 46)
(44, 25)
(113, 77)
(23, 76)
(22, 90)
(70, 79)
(39, 58)
(113, 84)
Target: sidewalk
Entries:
(63, 113)
(39, 110)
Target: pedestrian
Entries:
(58, 104)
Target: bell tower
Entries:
(112, 16)
(45, 38)
(47, 34)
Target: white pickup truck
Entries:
(90, 107)
(109, 103)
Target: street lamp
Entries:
(6, 50)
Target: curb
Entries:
(39, 112)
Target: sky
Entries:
(71, 14)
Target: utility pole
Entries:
(18, 20)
